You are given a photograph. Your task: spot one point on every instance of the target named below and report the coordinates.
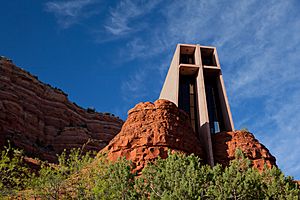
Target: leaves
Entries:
(182, 177)
(14, 174)
(52, 181)
(79, 176)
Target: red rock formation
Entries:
(225, 145)
(150, 131)
(298, 183)
(42, 121)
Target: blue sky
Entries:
(111, 55)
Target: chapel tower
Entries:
(195, 84)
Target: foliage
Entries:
(244, 129)
(52, 179)
(277, 186)
(14, 174)
(114, 180)
(79, 176)
(182, 177)
(237, 181)
(91, 110)
(177, 177)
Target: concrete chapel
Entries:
(195, 84)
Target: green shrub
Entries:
(51, 183)
(182, 177)
(244, 129)
(79, 176)
(177, 177)
(14, 174)
(237, 181)
(114, 180)
(277, 186)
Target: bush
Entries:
(182, 177)
(114, 180)
(91, 110)
(51, 183)
(14, 174)
(79, 176)
(177, 177)
(102, 179)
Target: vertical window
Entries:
(187, 97)
(216, 123)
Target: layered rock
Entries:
(41, 120)
(151, 130)
(225, 145)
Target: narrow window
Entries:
(216, 122)
(187, 97)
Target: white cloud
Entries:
(120, 21)
(69, 12)
(120, 16)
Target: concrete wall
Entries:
(203, 124)
(170, 88)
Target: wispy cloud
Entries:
(131, 88)
(259, 46)
(70, 12)
(283, 115)
(119, 17)
(122, 16)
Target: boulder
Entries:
(150, 131)
(225, 145)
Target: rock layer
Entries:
(151, 130)
(41, 120)
(225, 145)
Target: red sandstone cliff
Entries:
(42, 121)
(150, 131)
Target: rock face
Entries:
(42, 121)
(225, 144)
(150, 131)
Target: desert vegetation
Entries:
(80, 175)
